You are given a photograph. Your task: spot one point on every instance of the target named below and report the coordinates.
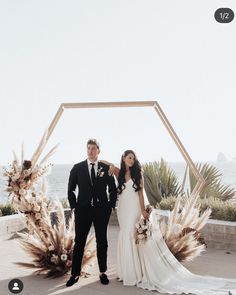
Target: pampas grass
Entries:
(51, 246)
(181, 232)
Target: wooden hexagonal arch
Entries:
(127, 104)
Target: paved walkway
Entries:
(212, 262)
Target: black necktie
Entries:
(93, 201)
(92, 174)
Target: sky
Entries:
(173, 52)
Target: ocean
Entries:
(58, 179)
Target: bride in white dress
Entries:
(151, 265)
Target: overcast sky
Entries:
(73, 51)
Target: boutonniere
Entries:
(100, 173)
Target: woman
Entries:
(150, 265)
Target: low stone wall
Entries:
(217, 234)
(11, 224)
(220, 234)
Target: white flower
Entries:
(51, 248)
(22, 192)
(100, 173)
(63, 257)
(142, 222)
(54, 259)
(141, 236)
(27, 172)
(88, 254)
(22, 184)
(68, 263)
(16, 176)
(38, 199)
(30, 199)
(140, 230)
(37, 208)
(137, 225)
(27, 206)
(37, 216)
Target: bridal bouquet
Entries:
(143, 228)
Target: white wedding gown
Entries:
(151, 265)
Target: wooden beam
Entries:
(118, 104)
(122, 104)
(177, 141)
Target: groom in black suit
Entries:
(92, 205)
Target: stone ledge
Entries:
(11, 223)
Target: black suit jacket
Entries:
(79, 177)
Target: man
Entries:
(93, 205)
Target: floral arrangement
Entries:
(49, 245)
(181, 231)
(21, 186)
(143, 228)
(100, 172)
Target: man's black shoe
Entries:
(104, 279)
(72, 280)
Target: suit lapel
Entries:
(97, 174)
(87, 175)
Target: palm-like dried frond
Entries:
(212, 186)
(181, 231)
(168, 180)
(160, 181)
(151, 182)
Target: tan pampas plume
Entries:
(182, 230)
(39, 148)
(22, 154)
(173, 216)
(15, 157)
(49, 154)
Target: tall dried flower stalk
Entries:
(182, 229)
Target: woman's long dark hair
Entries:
(135, 172)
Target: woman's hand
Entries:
(145, 214)
(111, 169)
